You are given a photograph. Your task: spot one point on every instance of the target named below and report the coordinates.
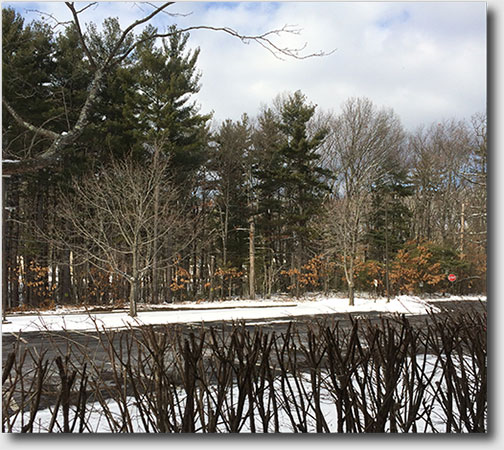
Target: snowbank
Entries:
(211, 312)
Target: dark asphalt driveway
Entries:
(55, 342)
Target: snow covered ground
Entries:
(71, 319)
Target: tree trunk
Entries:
(195, 279)
(168, 293)
(5, 277)
(201, 273)
(225, 235)
(270, 279)
(13, 244)
(65, 280)
(251, 259)
(155, 282)
(462, 227)
(212, 271)
(133, 297)
(155, 278)
(387, 269)
(351, 300)
(134, 286)
(349, 274)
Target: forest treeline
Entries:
(155, 202)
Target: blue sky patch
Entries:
(394, 19)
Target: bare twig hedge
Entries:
(385, 376)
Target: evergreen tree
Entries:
(27, 65)
(159, 103)
(291, 182)
(301, 177)
(266, 164)
(229, 166)
(389, 222)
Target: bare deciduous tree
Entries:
(120, 217)
(364, 140)
(439, 157)
(476, 176)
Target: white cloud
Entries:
(426, 60)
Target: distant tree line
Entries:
(149, 202)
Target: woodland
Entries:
(119, 190)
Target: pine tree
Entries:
(159, 104)
(389, 221)
(228, 164)
(301, 177)
(266, 164)
(27, 65)
(291, 183)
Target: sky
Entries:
(425, 60)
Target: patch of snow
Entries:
(465, 298)
(215, 311)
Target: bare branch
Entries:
(37, 130)
(75, 15)
(86, 7)
(53, 154)
(126, 32)
(264, 40)
(50, 16)
(169, 13)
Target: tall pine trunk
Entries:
(5, 259)
(155, 279)
(168, 297)
(65, 282)
(251, 258)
